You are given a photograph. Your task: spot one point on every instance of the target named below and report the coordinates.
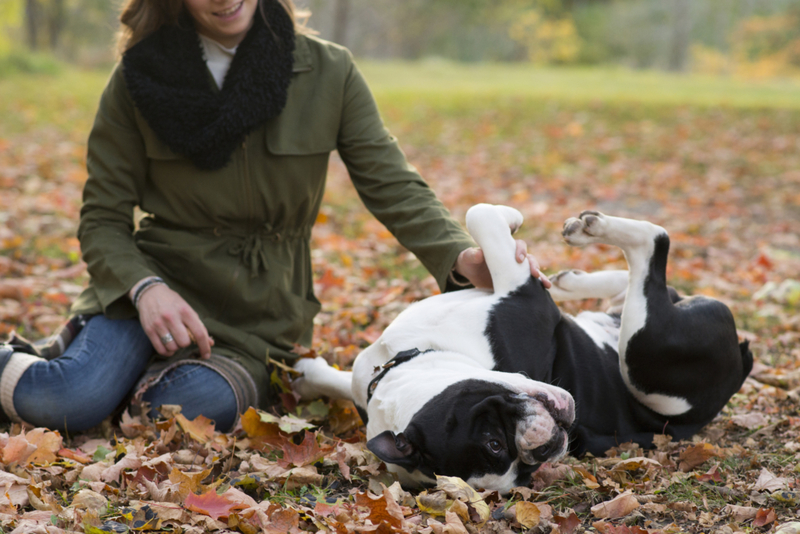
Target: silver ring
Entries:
(167, 338)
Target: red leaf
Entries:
(764, 516)
(308, 452)
(211, 504)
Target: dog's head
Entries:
(493, 434)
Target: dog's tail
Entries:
(747, 359)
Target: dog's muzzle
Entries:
(542, 431)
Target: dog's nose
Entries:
(563, 416)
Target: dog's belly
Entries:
(452, 322)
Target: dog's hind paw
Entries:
(566, 280)
(590, 227)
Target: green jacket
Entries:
(234, 242)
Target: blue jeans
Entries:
(80, 388)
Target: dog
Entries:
(487, 385)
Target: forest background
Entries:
(683, 112)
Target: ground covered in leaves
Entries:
(724, 182)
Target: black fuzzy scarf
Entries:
(167, 78)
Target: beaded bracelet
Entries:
(144, 286)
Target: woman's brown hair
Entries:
(140, 18)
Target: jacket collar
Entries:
(168, 81)
(302, 55)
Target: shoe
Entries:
(6, 351)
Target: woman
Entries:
(218, 124)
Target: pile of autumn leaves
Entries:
(278, 474)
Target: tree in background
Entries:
(545, 30)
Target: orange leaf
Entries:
(383, 509)
(696, 455)
(200, 428)
(77, 456)
(47, 446)
(17, 450)
(764, 516)
(212, 505)
(188, 483)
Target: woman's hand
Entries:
(471, 264)
(162, 311)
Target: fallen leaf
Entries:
(213, 505)
(696, 455)
(788, 528)
(200, 428)
(769, 482)
(740, 513)
(527, 514)
(306, 453)
(764, 517)
(382, 509)
(457, 489)
(619, 506)
(567, 524)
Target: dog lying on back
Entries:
(488, 385)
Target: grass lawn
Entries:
(443, 80)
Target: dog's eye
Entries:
(495, 446)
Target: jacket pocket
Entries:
(308, 124)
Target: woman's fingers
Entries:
(170, 323)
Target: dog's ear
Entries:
(394, 449)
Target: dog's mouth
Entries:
(542, 434)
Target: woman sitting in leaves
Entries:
(218, 123)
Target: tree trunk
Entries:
(32, 23)
(341, 18)
(55, 22)
(681, 27)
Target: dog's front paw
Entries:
(588, 228)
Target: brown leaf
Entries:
(696, 455)
(281, 522)
(619, 506)
(343, 417)
(769, 482)
(740, 513)
(567, 524)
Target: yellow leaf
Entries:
(528, 514)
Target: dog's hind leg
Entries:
(678, 357)
(492, 227)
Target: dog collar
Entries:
(402, 357)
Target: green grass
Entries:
(67, 97)
(67, 100)
(448, 81)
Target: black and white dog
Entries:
(488, 385)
